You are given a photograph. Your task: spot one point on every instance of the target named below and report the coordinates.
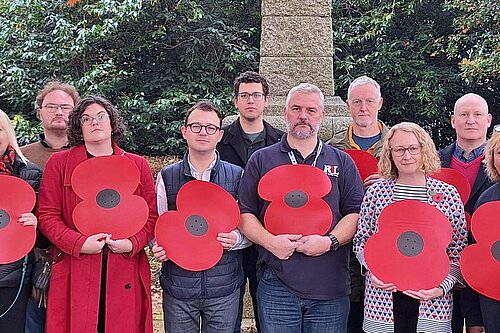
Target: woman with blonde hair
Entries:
(408, 157)
(14, 277)
(490, 308)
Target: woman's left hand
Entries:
(425, 294)
(119, 245)
(27, 219)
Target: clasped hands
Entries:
(94, 244)
(283, 246)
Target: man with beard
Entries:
(241, 139)
(304, 280)
(53, 104)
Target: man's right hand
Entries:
(283, 246)
(94, 244)
(372, 179)
(159, 253)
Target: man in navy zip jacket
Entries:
(211, 295)
(470, 120)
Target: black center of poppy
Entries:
(410, 244)
(296, 199)
(495, 250)
(196, 225)
(4, 219)
(108, 198)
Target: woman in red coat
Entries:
(98, 283)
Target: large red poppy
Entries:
(16, 197)
(189, 234)
(409, 248)
(106, 185)
(480, 262)
(366, 163)
(295, 193)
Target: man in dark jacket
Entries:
(241, 139)
(470, 120)
(211, 295)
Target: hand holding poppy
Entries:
(409, 249)
(106, 185)
(94, 244)
(28, 219)
(204, 211)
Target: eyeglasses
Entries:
(257, 96)
(496, 128)
(197, 127)
(53, 107)
(101, 117)
(400, 151)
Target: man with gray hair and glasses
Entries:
(304, 283)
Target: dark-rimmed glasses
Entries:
(400, 151)
(257, 96)
(197, 127)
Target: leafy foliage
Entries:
(414, 49)
(153, 58)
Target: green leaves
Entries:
(152, 58)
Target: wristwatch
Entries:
(335, 242)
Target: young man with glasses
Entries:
(53, 104)
(211, 295)
(241, 139)
(471, 121)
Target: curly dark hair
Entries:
(206, 106)
(118, 128)
(250, 77)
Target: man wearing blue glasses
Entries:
(241, 139)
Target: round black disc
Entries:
(495, 250)
(296, 199)
(4, 219)
(410, 244)
(108, 198)
(196, 225)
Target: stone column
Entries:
(297, 46)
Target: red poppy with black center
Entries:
(480, 262)
(409, 248)
(297, 207)
(16, 198)
(366, 163)
(106, 185)
(189, 234)
(457, 179)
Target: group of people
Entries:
(297, 282)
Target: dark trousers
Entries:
(13, 321)
(356, 315)
(490, 309)
(250, 273)
(405, 310)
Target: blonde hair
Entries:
(11, 135)
(430, 159)
(489, 154)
